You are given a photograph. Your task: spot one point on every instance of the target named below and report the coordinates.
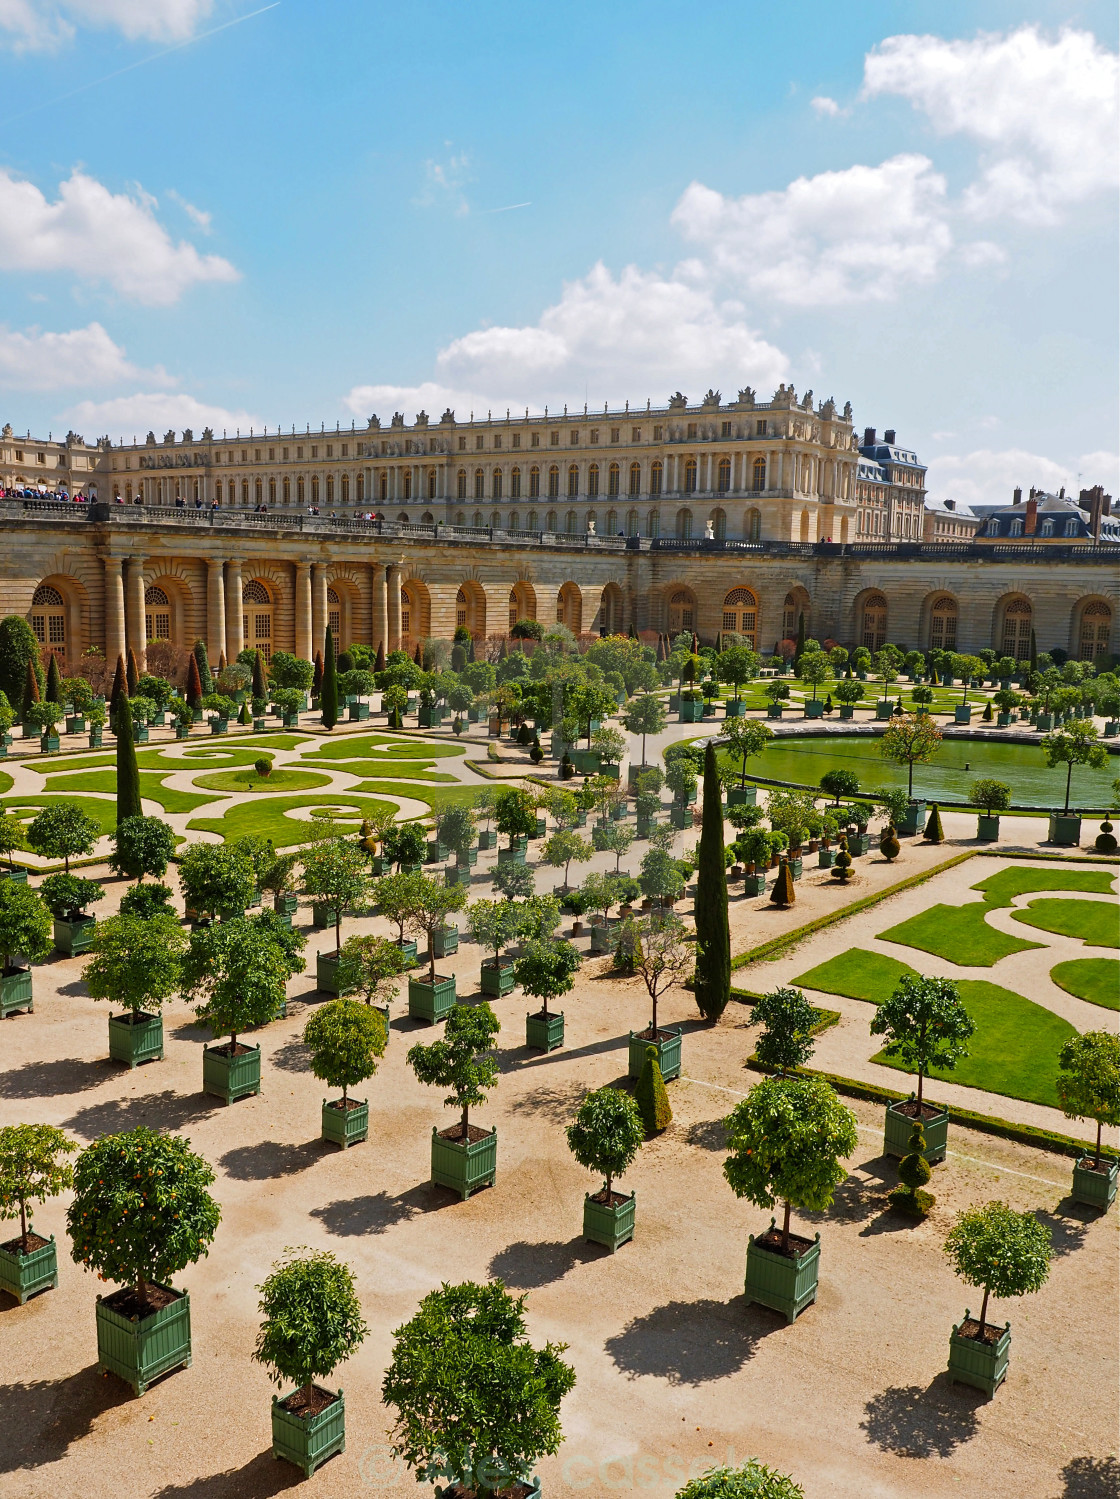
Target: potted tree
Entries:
(515, 814)
(63, 831)
(345, 1039)
(814, 668)
(1004, 1254)
(664, 957)
(217, 879)
(546, 970)
(680, 777)
(926, 1025)
(754, 849)
(45, 717)
(1006, 700)
(68, 896)
(887, 662)
(736, 666)
(849, 692)
(992, 797)
(32, 1168)
(493, 924)
(1089, 1088)
(786, 1141)
(25, 938)
(432, 999)
(370, 967)
(605, 1136)
(968, 669)
(464, 1157)
(141, 1213)
(141, 846)
(236, 973)
(136, 961)
(562, 848)
(754, 1480)
(778, 693)
(484, 806)
(645, 714)
(281, 881)
(337, 880)
(457, 830)
(912, 739)
(394, 897)
(13, 835)
(475, 1402)
(312, 1323)
(1075, 744)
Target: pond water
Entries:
(1021, 766)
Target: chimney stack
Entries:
(1032, 516)
(888, 437)
(869, 437)
(1017, 497)
(950, 504)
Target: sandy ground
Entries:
(673, 1369)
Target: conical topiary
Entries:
(54, 681)
(193, 690)
(132, 673)
(30, 692)
(934, 832)
(221, 662)
(260, 685)
(987, 714)
(118, 690)
(914, 1173)
(783, 893)
(888, 843)
(842, 864)
(245, 717)
(379, 663)
(651, 1097)
(128, 776)
(203, 663)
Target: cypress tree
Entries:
(54, 681)
(651, 1097)
(379, 664)
(203, 663)
(30, 691)
(800, 648)
(418, 656)
(260, 686)
(221, 662)
(713, 937)
(132, 672)
(470, 651)
(118, 690)
(317, 677)
(328, 692)
(783, 893)
(128, 777)
(633, 632)
(194, 684)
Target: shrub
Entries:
(754, 1480)
(335, 872)
(992, 796)
(345, 1039)
(312, 1319)
(25, 924)
(926, 1025)
(370, 966)
(263, 766)
(141, 845)
(546, 969)
(651, 1097)
(236, 973)
(1002, 1252)
(838, 783)
(136, 961)
(606, 1134)
(67, 895)
(32, 1169)
(934, 832)
(1089, 1080)
(914, 1172)
(146, 901)
(787, 1018)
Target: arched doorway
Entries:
(157, 614)
(522, 603)
(48, 621)
(943, 616)
(611, 610)
(470, 609)
(1015, 629)
(416, 612)
(796, 604)
(740, 615)
(682, 611)
(1095, 630)
(873, 622)
(569, 608)
(257, 618)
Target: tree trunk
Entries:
(983, 1313)
(23, 1217)
(653, 1022)
(607, 1186)
(910, 782)
(464, 1124)
(431, 957)
(141, 1288)
(1097, 1161)
(919, 1093)
(1069, 778)
(785, 1231)
(308, 1392)
(233, 1042)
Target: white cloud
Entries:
(427, 396)
(858, 234)
(35, 360)
(445, 182)
(1046, 110)
(989, 476)
(100, 236)
(197, 216)
(826, 106)
(158, 411)
(33, 25)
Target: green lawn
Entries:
(1096, 980)
(6, 782)
(1002, 888)
(102, 810)
(280, 779)
(79, 762)
(199, 759)
(958, 933)
(436, 797)
(1096, 922)
(378, 769)
(151, 786)
(267, 818)
(857, 974)
(381, 747)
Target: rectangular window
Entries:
(554, 439)
(462, 444)
(616, 432)
(517, 439)
(730, 619)
(478, 442)
(497, 439)
(244, 455)
(346, 450)
(760, 428)
(635, 434)
(19, 455)
(535, 440)
(573, 437)
(299, 452)
(594, 434)
(285, 451)
(256, 455)
(725, 429)
(658, 434)
(407, 446)
(330, 450)
(692, 431)
(272, 455)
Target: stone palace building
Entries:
(714, 516)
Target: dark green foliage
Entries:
(54, 681)
(206, 680)
(783, 893)
(999, 1250)
(18, 649)
(312, 1318)
(235, 971)
(146, 901)
(25, 924)
(934, 832)
(842, 864)
(607, 1133)
(713, 937)
(132, 673)
(838, 783)
(142, 845)
(787, 1019)
(63, 831)
(889, 845)
(463, 1061)
(128, 775)
(651, 1095)
(754, 1480)
(925, 1023)
(914, 1172)
(328, 689)
(31, 692)
(345, 662)
(260, 683)
(193, 690)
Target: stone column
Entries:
(318, 606)
(235, 612)
(215, 611)
(134, 611)
(393, 623)
(303, 611)
(380, 633)
(114, 612)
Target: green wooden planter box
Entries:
(446, 942)
(795, 866)
(962, 713)
(668, 1053)
(308, 1441)
(690, 712)
(467, 858)
(981, 1365)
(140, 733)
(883, 710)
(775, 1280)
(456, 874)
(609, 1226)
(14, 872)
(75, 724)
(219, 726)
(357, 712)
(1065, 829)
(16, 992)
(48, 744)
(182, 731)
(847, 710)
(814, 708)
(734, 708)
(487, 841)
(496, 979)
(545, 1034)
(326, 973)
(1003, 720)
(437, 852)
(231, 1078)
(322, 915)
(679, 816)
(286, 905)
(826, 858)
(24, 1275)
(346, 1127)
(586, 761)
(754, 884)
(75, 935)
(464, 1168)
(914, 820)
(136, 1040)
(602, 937)
(258, 725)
(510, 856)
(540, 829)
(774, 710)
(431, 1002)
(987, 829)
(897, 1129)
(1096, 1189)
(742, 796)
(141, 1350)
(859, 843)
(408, 953)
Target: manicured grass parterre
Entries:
(380, 747)
(381, 769)
(1001, 889)
(857, 974)
(268, 816)
(959, 934)
(436, 797)
(1096, 922)
(280, 779)
(1096, 980)
(6, 782)
(151, 786)
(102, 809)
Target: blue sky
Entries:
(216, 213)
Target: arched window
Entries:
(690, 476)
(495, 518)
(573, 481)
(570, 523)
(515, 484)
(479, 484)
(406, 484)
(428, 518)
(873, 626)
(754, 525)
(653, 523)
(300, 490)
(245, 493)
(514, 521)
(460, 610)
(360, 488)
(593, 480)
(532, 520)
(496, 484)
(1016, 633)
(460, 485)
(632, 522)
(334, 615)
(550, 522)
(256, 618)
(682, 611)
(431, 484)
(403, 517)
(553, 481)
(723, 481)
(612, 479)
(344, 489)
(287, 490)
(1096, 629)
(48, 618)
(314, 489)
(217, 491)
(476, 518)
(718, 519)
(758, 475)
(612, 522)
(635, 478)
(383, 487)
(534, 482)
(157, 614)
(656, 470)
(330, 489)
(740, 614)
(460, 518)
(684, 525)
(943, 624)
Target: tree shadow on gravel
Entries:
(558, 1103)
(40, 1419)
(256, 1480)
(271, 1158)
(691, 1342)
(1068, 1226)
(1091, 1478)
(167, 1110)
(54, 1079)
(707, 1134)
(914, 1422)
(351, 1217)
(526, 1267)
(293, 1056)
(857, 1197)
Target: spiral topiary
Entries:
(842, 864)
(888, 843)
(914, 1173)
